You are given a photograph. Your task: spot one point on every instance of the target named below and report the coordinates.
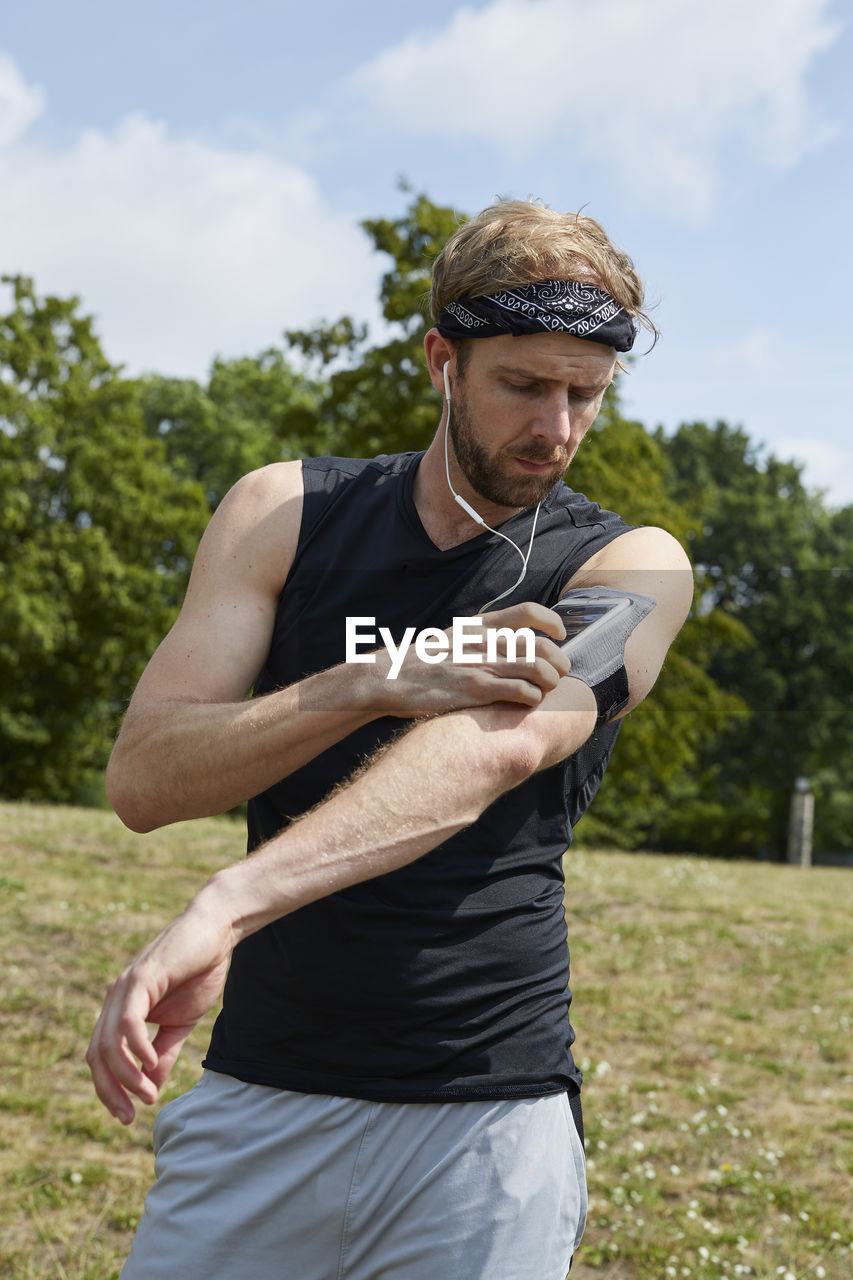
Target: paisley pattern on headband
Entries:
(550, 306)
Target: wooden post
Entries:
(801, 823)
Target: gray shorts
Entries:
(256, 1183)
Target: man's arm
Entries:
(192, 745)
(651, 562)
(430, 783)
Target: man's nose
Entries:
(554, 421)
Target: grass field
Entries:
(713, 1010)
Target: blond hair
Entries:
(517, 242)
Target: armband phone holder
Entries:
(598, 622)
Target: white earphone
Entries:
(475, 515)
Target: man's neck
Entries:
(446, 523)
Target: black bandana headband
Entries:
(551, 306)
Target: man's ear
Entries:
(438, 351)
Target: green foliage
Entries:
(653, 794)
(254, 411)
(624, 469)
(96, 532)
(776, 562)
(654, 768)
(381, 399)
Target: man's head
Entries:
(516, 242)
(520, 409)
(530, 306)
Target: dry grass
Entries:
(713, 1006)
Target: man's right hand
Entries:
(428, 689)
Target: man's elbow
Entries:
(551, 731)
(127, 799)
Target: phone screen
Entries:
(577, 617)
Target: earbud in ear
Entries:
(446, 382)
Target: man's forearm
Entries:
(178, 760)
(427, 785)
(431, 783)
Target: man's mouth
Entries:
(541, 468)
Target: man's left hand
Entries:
(172, 983)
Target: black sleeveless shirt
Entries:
(447, 978)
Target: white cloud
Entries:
(182, 249)
(652, 89)
(20, 103)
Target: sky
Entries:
(197, 173)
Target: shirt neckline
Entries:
(484, 539)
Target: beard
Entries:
(492, 475)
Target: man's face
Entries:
(520, 409)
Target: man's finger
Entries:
(529, 613)
(168, 1044)
(108, 1089)
(120, 1039)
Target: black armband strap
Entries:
(598, 622)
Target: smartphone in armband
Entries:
(598, 622)
(585, 614)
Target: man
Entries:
(389, 1088)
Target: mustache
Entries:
(543, 455)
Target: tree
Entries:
(379, 399)
(772, 559)
(253, 411)
(96, 533)
(652, 779)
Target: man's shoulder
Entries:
(581, 510)
(278, 481)
(380, 464)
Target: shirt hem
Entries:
(376, 1089)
